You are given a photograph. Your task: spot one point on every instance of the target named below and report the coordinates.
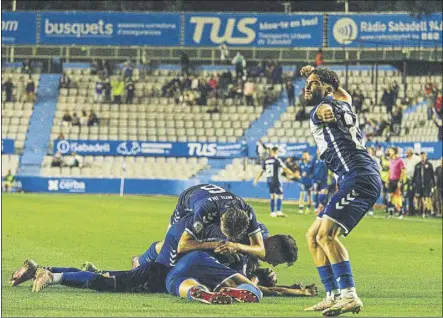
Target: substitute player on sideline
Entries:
(334, 127)
(273, 167)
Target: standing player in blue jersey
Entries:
(273, 167)
(320, 184)
(335, 130)
(306, 168)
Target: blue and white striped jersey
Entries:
(341, 143)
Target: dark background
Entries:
(416, 7)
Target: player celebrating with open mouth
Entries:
(335, 130)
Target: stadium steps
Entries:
(260, 127)
(214, 167)
(40, 124)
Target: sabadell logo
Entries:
(345, 31)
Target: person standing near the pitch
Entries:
(273, 166)
(335, 130)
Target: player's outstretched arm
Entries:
(308, 291)
(289, 173)
(257, 177)
(343, 95)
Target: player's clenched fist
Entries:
(325, 113)
(306, 70)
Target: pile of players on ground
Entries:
(210, 254)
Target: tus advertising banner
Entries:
(110, 28)
(383, 30)
(259, 30)
(19, 27)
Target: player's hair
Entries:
(281, 248)
(235, 222)
(275, 149)
(395, 149)
(327, 76)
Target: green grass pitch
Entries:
(397, 263)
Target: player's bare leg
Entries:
(322, 263)
(328, 238)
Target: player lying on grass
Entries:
(207, 203)
(280, 249)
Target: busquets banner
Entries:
(19, 27)
(384, 30)
(110, 28)
(8, 146)
(253, 29)
(148, 148)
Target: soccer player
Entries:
(397, 172)
(320, 185)
(424, 184)
(334, 127)
(439, 183)
(273, 167)
(411, 161)
(208, 204)
(306, 168)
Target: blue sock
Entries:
(315, 198)
(189, 291)
(78, 279)
(279, 204)
(327, 278)
(63, 269)
(253, 289)
(149, 256)
(272, 205)
(343, 274)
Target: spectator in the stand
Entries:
(184, 61)
(8, 182)
(117, 90)
(130, 91)
(438, 107)
(127, 69)
(30, 91)
(65, 81)
(238, 92)
(75, 120)
(8, 87)
(429, 88)
(27, 67)
(107, 70)
(239, 62)
(223, 83)
(61, 136)
(20, 89)
(396, 120)
(57, 160)
(99, 87)
(74, 160)
(204, 89)
(357, 100)
(277, 74)
(249, 92)
(387, 100)
(84, 118)
(189, 98)
(94, 67)
(213, 84)
(93, 119)
(67, 118)
(423, 180)
(439, 123)
(108, 89)
(394, 90)
(319, 58)
(224, 52)
(195, 83)
(290, 91)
